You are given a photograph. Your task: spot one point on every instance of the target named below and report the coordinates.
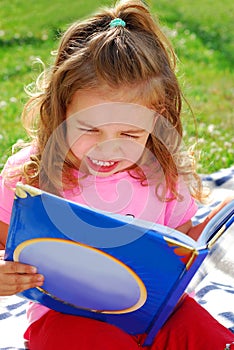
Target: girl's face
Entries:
(107, 137)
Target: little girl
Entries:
(106, 131)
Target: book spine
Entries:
(11, 237)
(174, 297)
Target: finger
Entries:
(13, 284)
(16, 267)
(12, 290)
(21, 279)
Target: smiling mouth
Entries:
(101, 165)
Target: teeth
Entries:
(101, 162)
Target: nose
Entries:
(110, 147)
(106, 136)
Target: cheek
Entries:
(139, 147)
(80, 144)
(133, 150)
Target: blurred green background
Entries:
(202, 34)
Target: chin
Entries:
(101, 174)
(104, 173)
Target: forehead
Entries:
(105, 105)
(114, 113)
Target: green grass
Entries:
(202, 33)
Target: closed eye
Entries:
(88, 130)
(131, 136)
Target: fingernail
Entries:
(40, 278)
(39, 283)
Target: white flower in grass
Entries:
(213, 150)
(199, 166)
(3, 104)
(170, 32)
(182, 42)
(210, 52)
(32, 58)
(13, 99)
(179, 25)
(228, 144)
(192, 139)
(193, 36)
(201, 140)
(173, 33)
(211, 128)
(44, 36)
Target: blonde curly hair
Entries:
(92, 54)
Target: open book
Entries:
(113, 268)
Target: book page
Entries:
(217, 225)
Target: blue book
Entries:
(113, 268)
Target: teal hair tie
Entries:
(117, 22)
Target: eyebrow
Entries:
(86, 125)
(130, 131)
(134, 131)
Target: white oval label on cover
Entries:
(83, 276)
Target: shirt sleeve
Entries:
(7, 187)
(179, 211)
(6, 199)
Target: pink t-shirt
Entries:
(119, 193)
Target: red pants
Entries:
(190, 327)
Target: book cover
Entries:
(128, 272)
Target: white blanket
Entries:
(213, 284)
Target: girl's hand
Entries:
(16, 277)
(195, 231)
